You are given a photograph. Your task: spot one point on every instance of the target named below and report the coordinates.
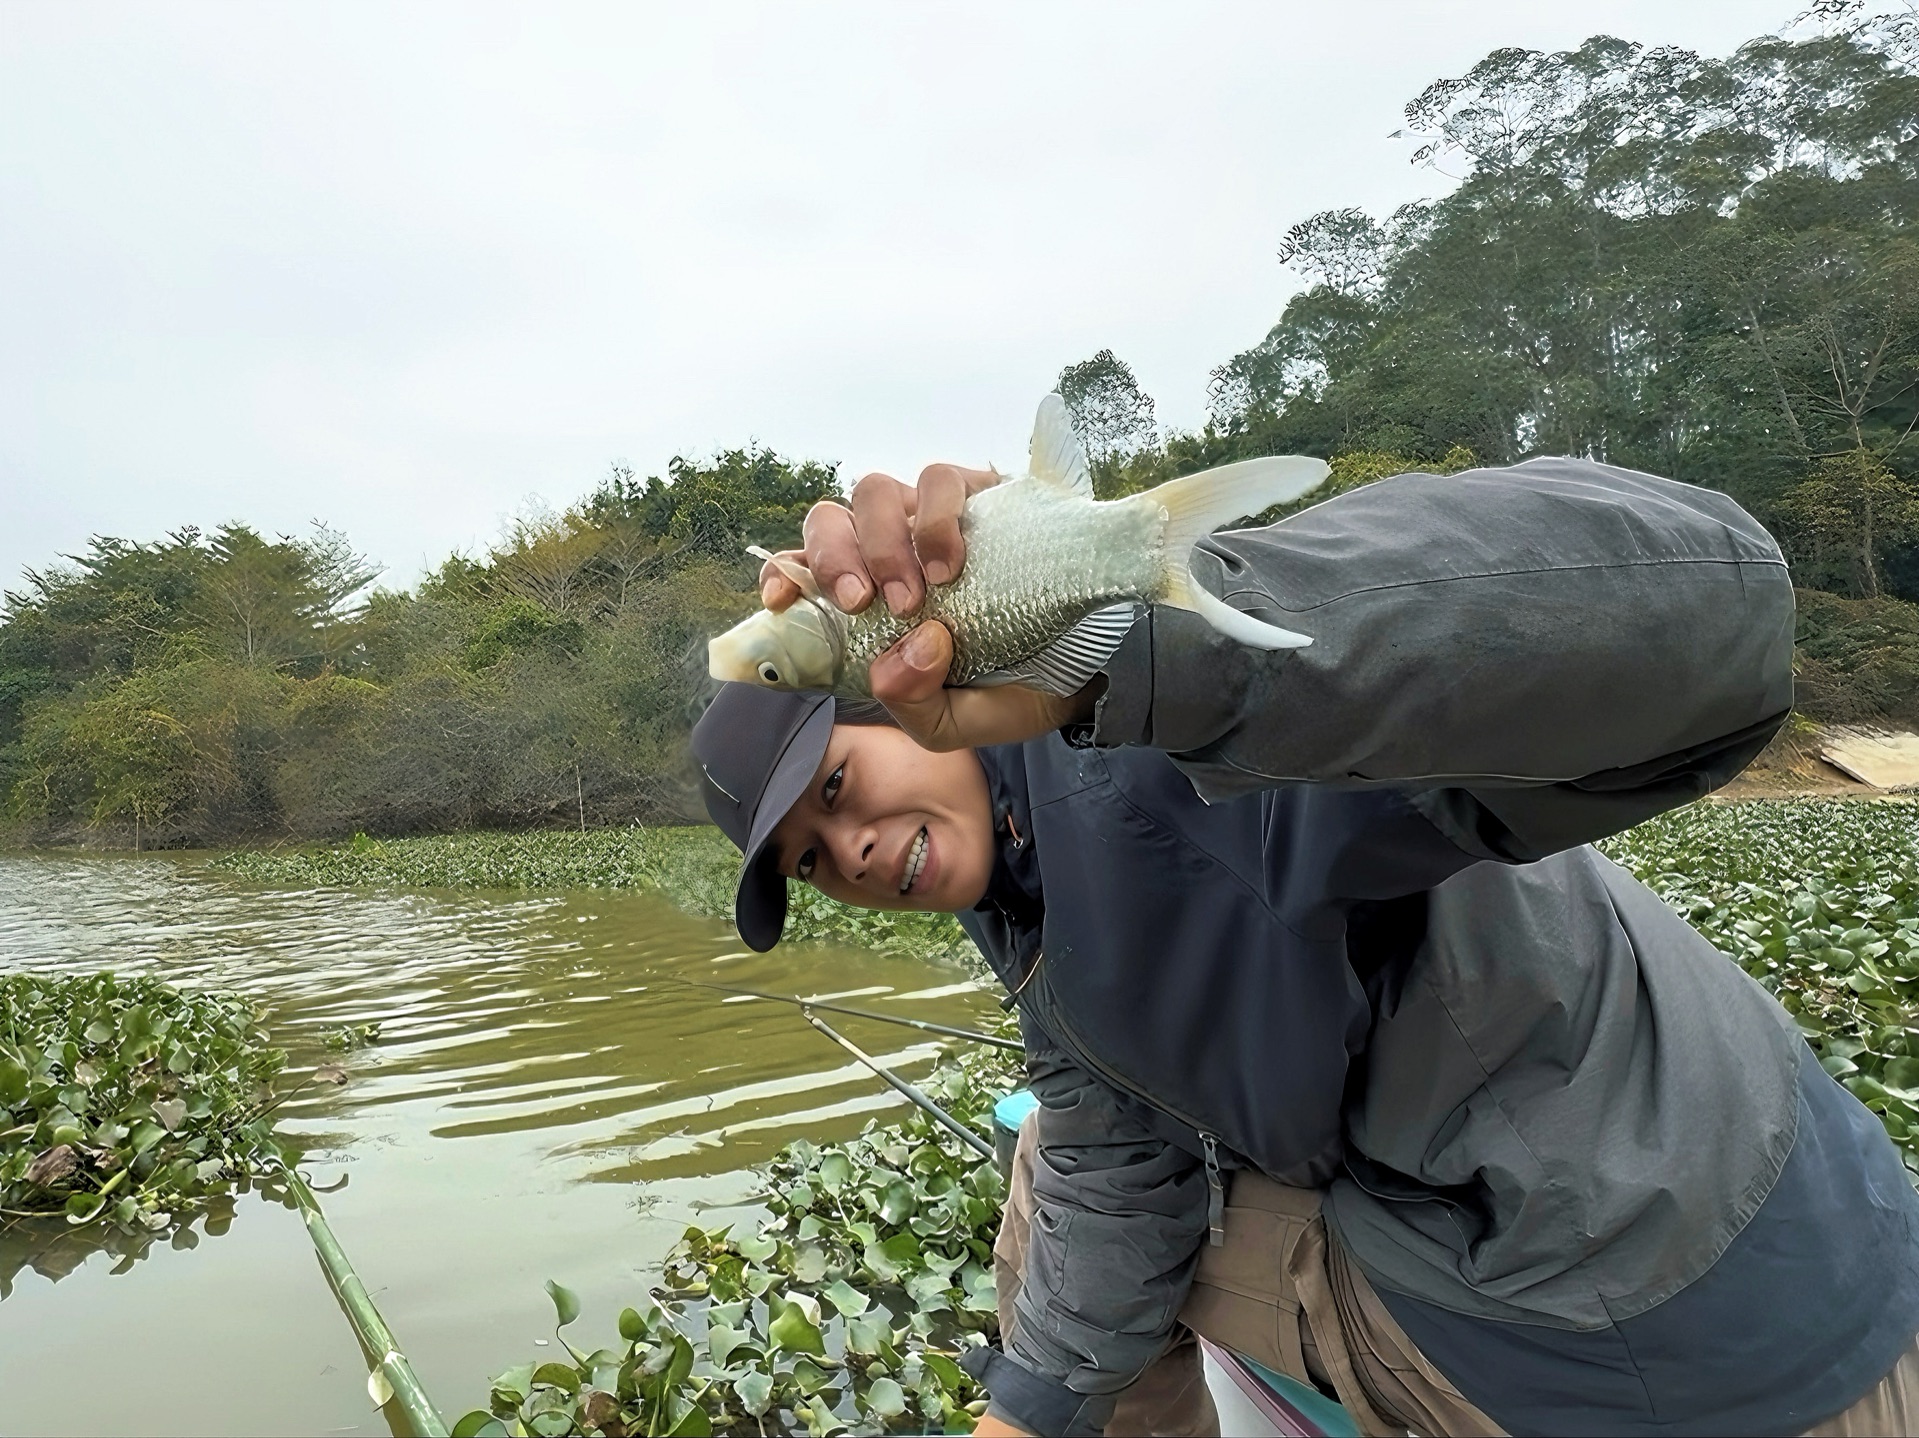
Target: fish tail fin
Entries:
(1199, 504)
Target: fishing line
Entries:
(900, 1085)
(924, 1025)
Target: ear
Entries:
(791, 568)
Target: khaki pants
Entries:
(1281, 1291)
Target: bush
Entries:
(1858, 659)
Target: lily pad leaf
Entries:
(846, 1298)
(565, 1302)
(722, 1340)
(809, 1264)
(795, 1332)
(897, 1206)
(884, 1398)
(557, 1375)
(836, 1170)
(755, 1392)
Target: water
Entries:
(545, 1101)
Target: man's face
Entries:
(886, 824)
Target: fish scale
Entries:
(1038, 560)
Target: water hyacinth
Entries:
(693, 866)
(1819, 901)
(127, 1102)
(843, 1310)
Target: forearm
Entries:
(1552, 624)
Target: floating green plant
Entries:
(126, 1101)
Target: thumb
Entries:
(910, 680)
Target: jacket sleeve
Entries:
(1541, 655)
(1119, 1215)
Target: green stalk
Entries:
(421, 1416)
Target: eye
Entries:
(830, 790)
(769, 674)
(804, 869)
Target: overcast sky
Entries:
(404, 267)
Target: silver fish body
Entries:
(1039, 559)
(1049, 585)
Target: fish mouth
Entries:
(916, 856)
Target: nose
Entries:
(853, 848)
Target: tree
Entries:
(1111, 414)
(283, 604)
(1848, 511)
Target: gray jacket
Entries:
(1329, 912)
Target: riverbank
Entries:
(692, 866)
(1817, 898)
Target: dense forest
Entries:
(1706, 268)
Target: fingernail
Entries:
(850, 591)
(919, 650)
(898, 597)
(937, 571)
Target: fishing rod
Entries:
(390, 1365)
(901, 1086)
(924, 1025)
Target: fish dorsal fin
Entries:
(1069, 663)
(791, 568)
(1057, 457)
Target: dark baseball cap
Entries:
(757, 750)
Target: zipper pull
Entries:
(1216, 1194)
(1019, 840)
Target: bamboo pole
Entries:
(905, 1089)
(389, 1362)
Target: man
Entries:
(1351, 1054)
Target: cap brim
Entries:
(759, 903)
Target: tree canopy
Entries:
(1702, 267)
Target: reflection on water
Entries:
(548, 1098)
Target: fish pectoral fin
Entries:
(791, 568)
(1069, 663)
(1056, 456)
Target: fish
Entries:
(1053, 578)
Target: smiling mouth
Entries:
(915, 861)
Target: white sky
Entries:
(402, 267)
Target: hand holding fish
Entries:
(910, 680)
(1052, 580)
(894, 539)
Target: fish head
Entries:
(793, 649)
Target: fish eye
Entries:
(769, 673)
(804, 869)
(830, 790)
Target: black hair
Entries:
(862, 711)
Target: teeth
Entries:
(915, 861)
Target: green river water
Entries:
(545, 1101)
